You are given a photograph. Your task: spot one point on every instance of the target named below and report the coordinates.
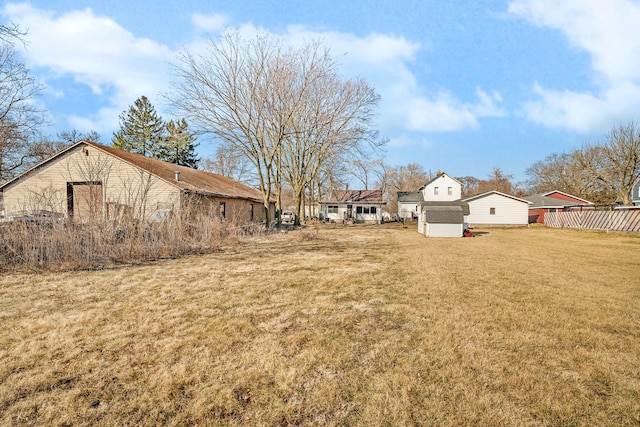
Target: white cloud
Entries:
(384, 61)
(448, 114)
(608, 31)
(119, 67)
(94, 51)
(209, 23)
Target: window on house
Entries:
(366, 209)
(223, 210)
(450, 191)
(332, 209)
(492, 211)
(359, 209)
(373, 210)
(435, 191)
(251, 212)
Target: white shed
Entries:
(441, 221)
(496, 208)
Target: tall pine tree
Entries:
(178, 145)
(141, 129)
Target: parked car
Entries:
(288, 216)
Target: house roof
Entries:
(357, 196)
(410, 196)
(542, 200)
(444, 214)
(566, 195)
(494, 192)
(191, 180)
(462, 204)
(441, 174)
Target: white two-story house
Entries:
(442, 188)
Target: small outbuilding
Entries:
(441, 221)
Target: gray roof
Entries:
(463, 205)
(371, 197)
(543, 201)
(443, 214)
(410, 196)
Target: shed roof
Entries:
(462, 204)
(443, 214)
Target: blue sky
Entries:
(465, 86)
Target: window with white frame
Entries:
(450, 191)
(492, 211)
(332, 209)
(435, 191)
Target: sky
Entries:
(466, 85)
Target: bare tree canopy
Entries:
(285, 109)
(229, 162)
(20, 118)
(400, 178)
(616, 163)
(602, 173)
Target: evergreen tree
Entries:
(140, 129)
(178, 145)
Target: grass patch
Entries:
(338, 326)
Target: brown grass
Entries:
(365, 325)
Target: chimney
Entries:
(177, 175)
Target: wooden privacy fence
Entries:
(613, 220)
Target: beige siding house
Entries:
(91, 181)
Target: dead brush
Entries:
(310, 232)
(98, 244)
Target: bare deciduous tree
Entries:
(20, 119)
(284, 109)
(616, 163)
(228, 92)
(229, 162)
(562, 172)
(331, 118)
(401, 178)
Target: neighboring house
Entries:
(441, 220)
(354, 205)
(409, 204)
(635, 193)
(441, 188)
(553, 201)
(496, 208)
(91, 181)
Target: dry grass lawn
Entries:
(367, 325)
